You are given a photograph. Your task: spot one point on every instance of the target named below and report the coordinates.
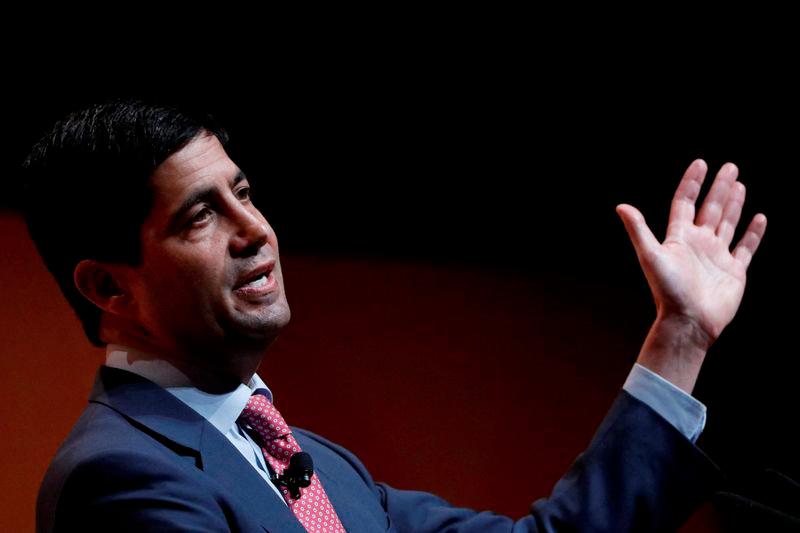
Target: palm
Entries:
(693, 274)
(698, 277)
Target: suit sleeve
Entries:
(639, 473)
(127, 492)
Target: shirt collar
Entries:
(221, 410)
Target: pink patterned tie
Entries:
(313, 509)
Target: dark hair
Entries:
(86, 187)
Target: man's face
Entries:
(210, 275)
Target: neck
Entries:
(211, 369)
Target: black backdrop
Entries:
(506, 159)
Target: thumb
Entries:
(644, 242)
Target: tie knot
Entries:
(263, 418)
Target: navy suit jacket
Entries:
(139, 459)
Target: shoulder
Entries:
(103, 434)
(107, 461)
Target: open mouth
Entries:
(257, 279)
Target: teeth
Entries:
(258, 282)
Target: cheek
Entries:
(200, 282)
(192, 282)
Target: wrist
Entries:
(682, 331)
(675, 349)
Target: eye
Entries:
(201, 215)
(243, 193)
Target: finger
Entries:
(711, 211)
(731, 213)
(749, 242)
(644, 242)
(683, 202)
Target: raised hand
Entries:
(696, 280)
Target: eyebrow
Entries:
(201, 195)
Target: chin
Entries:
(267, 327)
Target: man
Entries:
(149, 229)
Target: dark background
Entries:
(453, 258)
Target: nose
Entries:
(252, 232)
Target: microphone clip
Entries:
(297, 475)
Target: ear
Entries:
(103, 285)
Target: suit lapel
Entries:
(350, 512)
(233, 472)
(151, 406)
(350, 509)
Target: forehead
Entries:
(200, 163)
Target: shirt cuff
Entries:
(681, 410)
